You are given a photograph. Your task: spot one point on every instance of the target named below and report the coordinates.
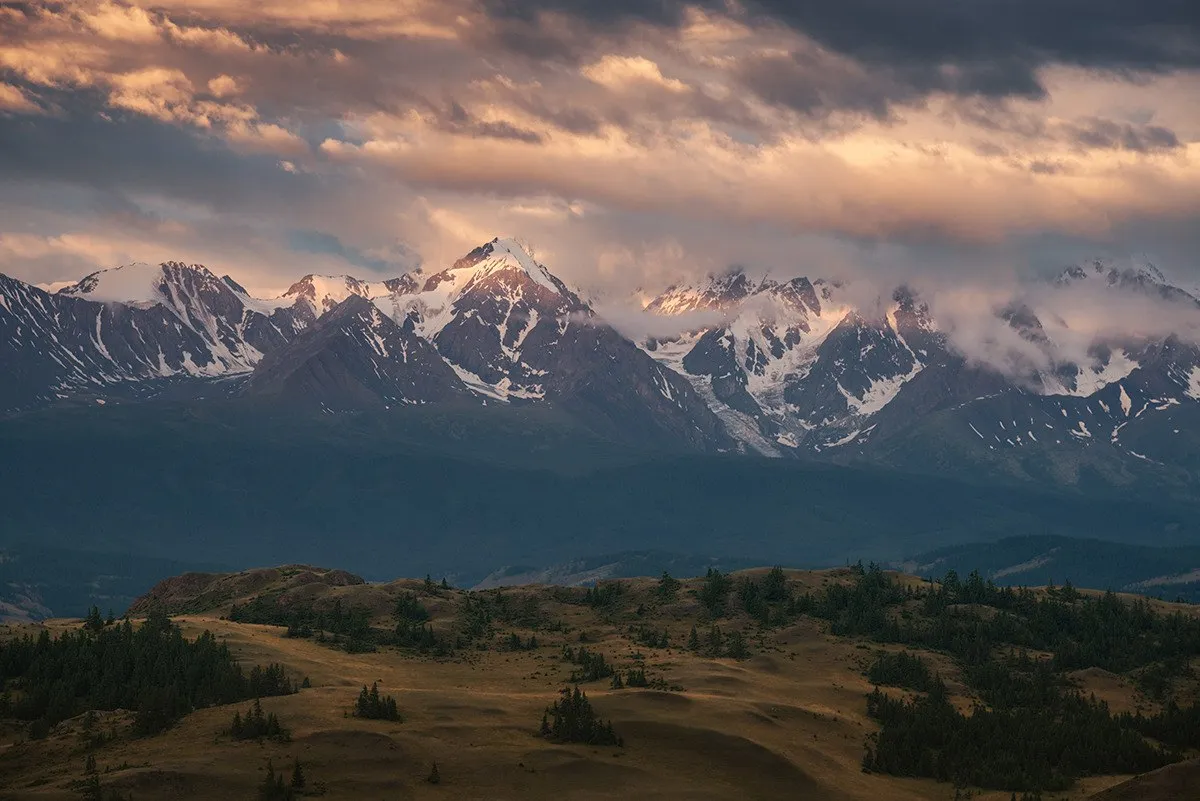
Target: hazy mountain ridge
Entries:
(1032, 561)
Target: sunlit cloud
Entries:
(632, 143)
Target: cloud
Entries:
(13, 98)
(989, 48)
(630, 73)
(635, 141)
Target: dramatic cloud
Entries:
(635, 142)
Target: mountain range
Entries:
(779, 368)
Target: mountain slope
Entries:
(355, 357)
(514, 332)
(796, 368)
(801, 367)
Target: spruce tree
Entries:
(668, 587)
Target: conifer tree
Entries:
(668, 587)
(434, 777)
(714, 644)
(736, 649)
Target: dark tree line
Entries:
(152, 669)
(901, 669)
(1033, 730)
(1019, 748)
(345, 627)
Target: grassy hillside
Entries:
(778, 709)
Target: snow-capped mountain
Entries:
(496, 326)
(793, 367)
(126, 329)
(356, 357)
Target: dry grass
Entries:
(787, 723)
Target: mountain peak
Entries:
(500, 255)
(136, 283)
(1136, 274)
(324, 292)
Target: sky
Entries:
(631, 143)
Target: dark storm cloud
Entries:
(1095, 133)
(456, 119)
(910, 48)
(136, 153)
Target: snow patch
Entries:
(1193, 388)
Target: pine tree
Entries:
(445, 584)
(434, 777)
(715, 642)
(736, 648)
(90, 788)
(693, 643)
(373, 706)
(297, 775)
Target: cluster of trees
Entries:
(634, 677)
(901, 669)
(152, 668)
(256, 725)
(373, 706)
(90, 787)
(571, 719)
(412, 629)
(714, 592)
(274, 788)
(305, 620)
(1175, 726)
(347, 627)
(1018, 748)
(603, 596)
(409, 608)
(766, 599)
(1033, 731)
(591, 664)
(515, 643)
(648, 637)
(667, 589)
(716, 644)
(481, 611)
